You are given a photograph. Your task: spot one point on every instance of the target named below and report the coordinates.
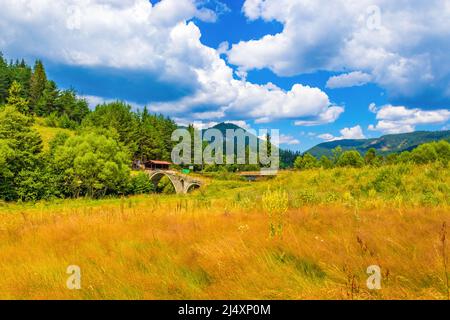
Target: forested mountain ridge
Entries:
(287, 157)
(385, 145)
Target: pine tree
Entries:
(47, 103)
(21, 73)
(20, 146)
(69, 105)
(151, 144)
(4, 79)
(116, 117)
(15, 98)
(37, 84)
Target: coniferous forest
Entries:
(93, 158)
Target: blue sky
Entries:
(316, 70)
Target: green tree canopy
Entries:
(92, 165)
(307, 161)
(68, 104)
(38, 83)
(47, 102)
(154, 136)
(430, 152)
(20, 147)
(351, 158)
(4, 79)
(118, 118)
(6, 157)
(370, 156)
(325, 162)
(15, 99)
(15, 71)
(337, 153)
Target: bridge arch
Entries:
(191, 187)
(156, 177)
(181, 184)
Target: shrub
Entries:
(66, 123)
(370, 156)
(38, 184)
(308, 197)
(165, 186)
(141, 184)
(424, 153)
(427, 153)
(276, 204)
(351, 159)
(307, 161)
(387, 181)
(52, 120)
(443, 150)
(326, 163)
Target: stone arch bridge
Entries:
(183, 184)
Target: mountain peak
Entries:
(223, 126)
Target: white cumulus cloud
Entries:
(329, 116)
(159, 38)
(346, 133)
(288, 140)
(402, 45)
(399, 119)
(352, 79)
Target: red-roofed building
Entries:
(157, 165)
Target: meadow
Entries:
(303, 235)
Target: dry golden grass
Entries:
(216, 244)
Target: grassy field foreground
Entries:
(217, 243)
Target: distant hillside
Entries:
(384, 145)
(287, 157)
(223, 127)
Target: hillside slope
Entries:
(384, 145)
(287, 157)
(48, 133)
